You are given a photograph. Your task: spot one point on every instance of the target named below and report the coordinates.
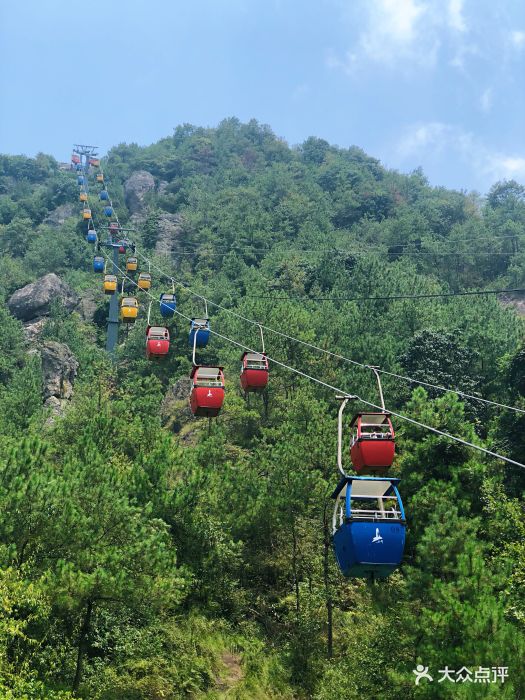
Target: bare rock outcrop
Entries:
(58, 216)
(59, 371)
(35, 299)
(175, 408)
(136, 187)
(169, 228)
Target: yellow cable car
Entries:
(87, 214)
(144, 281)
(131, 264)
(129, 309)
(110, 284)
(83, 197)
(100, 177)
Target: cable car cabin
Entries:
(91, 236)
(108, 211)
(254, 371)
(207, 391)
(98, 263)
(113, 227)
(144, 280)
(157, 342)
(80, 180)
(168, 304)
(100, 177)
(86, 214)
(122, 246)
(129, 309)
(83, 197)
(372, 448)
(78, 167)
(201, 328)
(110, 284)
(103, 195)
(368, 526)
(95, 162)
(131, 264)
(75, 159)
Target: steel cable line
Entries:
(376, 247)
(342, 391)
(362, 365)
(394, 297)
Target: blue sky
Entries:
(432, 83)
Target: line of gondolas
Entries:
(368, 525)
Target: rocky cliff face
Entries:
(35, 299)
(169, 226)
(135, 189)
(31, 304)
(59, 215)
(59, 371)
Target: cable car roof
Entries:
(371, 418)
(366, 487)
(254, 356)
(206, 372)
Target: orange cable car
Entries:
(129, 309)
(110, 284)
(144, 281)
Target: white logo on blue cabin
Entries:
(378, 537)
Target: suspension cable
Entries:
(338, 356)
(338, 390)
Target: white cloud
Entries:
(517, 39)
(506, 167)
(486, 99)
(434, 140)
(455, 18)
(410, 32)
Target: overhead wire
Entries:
(393, 297)
(411, 380)
(338, 356)
(342, 391)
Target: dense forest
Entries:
(146, 554)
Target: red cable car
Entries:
(75, 159)
(207, 390)
(254, 371)
(157, 342)
(373, 443)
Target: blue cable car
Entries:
(98, 263)
(368, 526)
(103, 196)
(80, 180)
(78, 167)
(199, 327)
(91, 236)
(168, 304)
(108, 211)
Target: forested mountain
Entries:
(146, 554)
